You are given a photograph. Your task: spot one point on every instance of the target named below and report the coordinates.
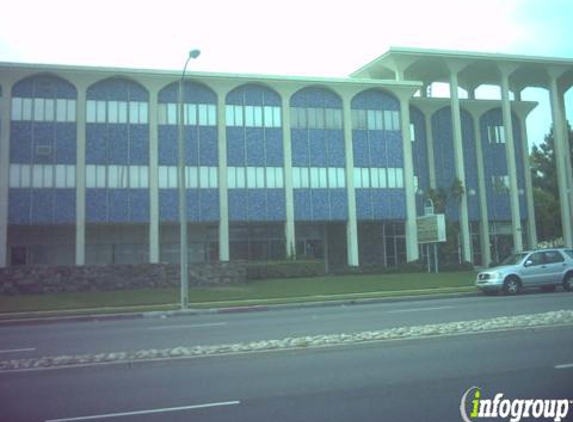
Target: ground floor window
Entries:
(18, 256)
(198, 252)
(382, 243)
(117, 244)
(394, 235)
(42, 255)
(202, 241)
(310, 240)
(117, 253)
(500, 240)
(41, 245)
(254, 242)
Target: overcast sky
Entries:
(294, 37)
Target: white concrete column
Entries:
(81, 175)
(567, 162)
(412, 251)
(430, 150)
(351, 224)
(561, 156)
(471, 94)
(5, 107)
(523, 109)
(224, 254)
(289, 195)
(429, 107)
(476, 110)
(153, 177)
(459, 164)
(510, 157)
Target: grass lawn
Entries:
(251, 293)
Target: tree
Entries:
(548, 221)
(545, 188)
(442, 198)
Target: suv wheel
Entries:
(568, 282)
(511, 286)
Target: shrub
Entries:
(451, 267)
(409, 267)
(284, 269)
(404, 268)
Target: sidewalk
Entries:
(226, 307)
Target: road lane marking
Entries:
(564, 366)
(176, 327)
(147, 412)
(436, 308)
(25, 349)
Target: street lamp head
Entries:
(193, 54)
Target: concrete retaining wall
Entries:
(44, 279)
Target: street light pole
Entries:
(183, 247)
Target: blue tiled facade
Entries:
(495, 164)
(255, 147)
(128, 144)
(323, 148)
(200, 141)
(320, 205)
(117, 205)
(40, 206)
(377, 148)
(201, 150)
(444, 157)
(252, 149)
(115, 143)
(519, 147)
(470, 166)
(202, 205)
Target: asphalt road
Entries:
(408, 380)
(155, 333)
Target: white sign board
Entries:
(431, 228)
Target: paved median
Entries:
(547, 319)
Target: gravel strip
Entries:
(451, 328)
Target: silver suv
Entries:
(542, 268)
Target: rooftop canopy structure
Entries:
(513, 73)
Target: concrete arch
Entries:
(46, 85)
(117, 88)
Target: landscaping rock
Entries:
(451, 328)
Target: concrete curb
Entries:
(113, 316)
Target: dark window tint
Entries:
(552, 257)
(18, 256)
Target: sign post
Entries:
(431, 231)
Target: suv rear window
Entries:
(553, 256)
(569, 252)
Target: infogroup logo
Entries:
(473, 407)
